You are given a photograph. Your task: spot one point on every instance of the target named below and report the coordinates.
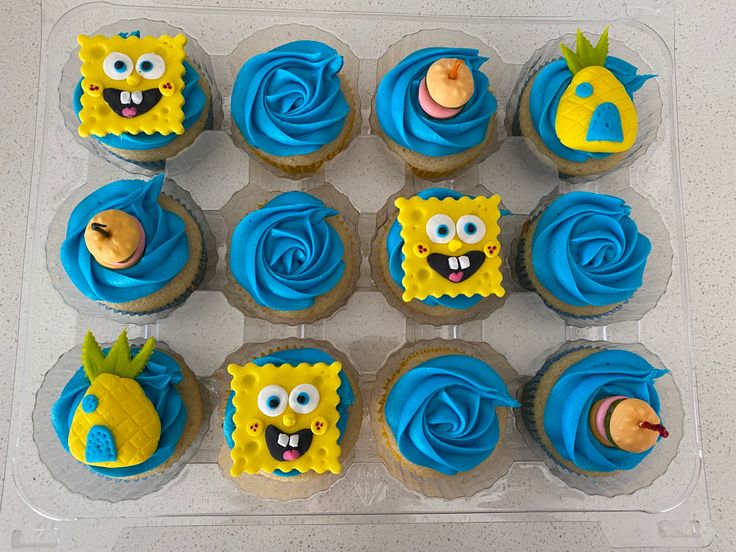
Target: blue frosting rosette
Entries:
(587, 250)
(158, 381)
(404, 121)
(286, 254)
(295, 357)
(166, 251)
(288, 101)
(442, 412)
(603, 373)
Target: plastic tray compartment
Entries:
(672, 511)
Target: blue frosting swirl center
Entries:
(599, 375)
(288, 101)
(286, 254)
(158, 381)
(547, 89)
(586, 250)
(442, 412)
(165, 255)
(404, 121)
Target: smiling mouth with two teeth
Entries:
(131, 104)
(286, 447)
(456, 268)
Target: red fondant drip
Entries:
(659, 428)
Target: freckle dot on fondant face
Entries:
(416, 215)
(251, 447)
(423, 274)
(318, 381)
(250, 380)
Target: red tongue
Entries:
(291, 454)
(456, 276)
(130, 112)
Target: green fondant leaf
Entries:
(118, 357)
(138, 363)
(93, 360)
(587, 55)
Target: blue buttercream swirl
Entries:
(404, 121)
(295, 357)
(166, 252)
(442, 412)
(566, 414)
(158, 380)
(547, 89)
(286, 254)
(586, 250)
(195, 101)
(395, 244)
(288, 101)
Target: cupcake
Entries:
(583, 254)
(439, 415)
(140, 98)
(579, 111)
(295, 257)
(437, 256)
(132, 248)
(291, 419)
(435, 110)
(595, 410)
(294, 107)
(128, 412)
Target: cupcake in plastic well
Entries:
(434, 107)
(580, 110)
(142, 97)
(131, 247)
(294, 106)
(436, 255)
(291, 418)
(595, 410)
(128, 412)
(293, 257)
(583, 254)
(439, 415)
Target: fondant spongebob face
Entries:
(132, 84)
(285, 418)
(450, 246)
(596, 113)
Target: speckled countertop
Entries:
(705, 42)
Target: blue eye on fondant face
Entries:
(89, 403)
(584, 90)
(440, 228)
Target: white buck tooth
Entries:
(137, 97)
(453, 263)
(125, 97)
(294, 440)
(283, 439)
(464, 262)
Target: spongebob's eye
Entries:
(150, 66)
(470, 229)
(117, 66)
(304, 398)
(440, 228)
(272, 400)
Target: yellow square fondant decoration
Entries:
(285, 418)
(450, 247)
(131, 84)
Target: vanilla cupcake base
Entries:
(268, 485)
(185, 282)
(418, 478)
